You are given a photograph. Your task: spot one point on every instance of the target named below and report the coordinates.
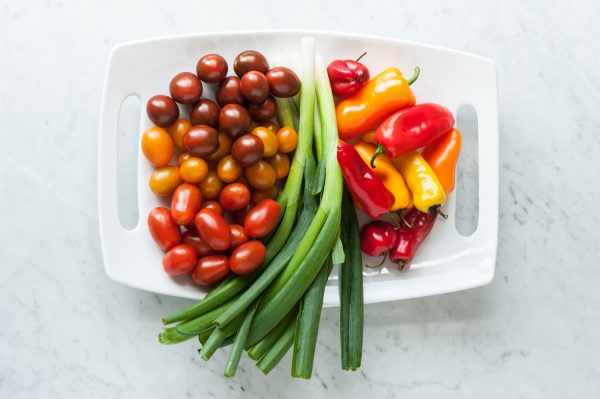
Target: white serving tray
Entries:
(446, 262)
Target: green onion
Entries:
(217, 338)
(285, 115)
(351, 289)
(278, 350)
(239, 343)
(258, 350)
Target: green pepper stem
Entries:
(410, 226)
(438, 210)
(383, 259)
(362, 55)
(380, 150)
(415, 76)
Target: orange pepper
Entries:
(442, 156)
(380, 97)
(387, 173)
(368, 137)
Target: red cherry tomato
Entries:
(213, 229)
(192, 239)
(185, 203)
(262, 218)
(234, 196)
(214, 205)
(239, 216)
(210, 270)
(181, 259)
(163, 228)
(238, 235)
(247, 257)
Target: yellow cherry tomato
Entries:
(211, 186)
(193, 170)
(178, 130)
(271, 125)
(181, 158)
(281, 164)
(287, 139)
(165, 180)
(268, 138)
(261, 175)
(224, 148)
(228, 169)
(259, 195)
(157, 146)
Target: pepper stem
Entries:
(415, 76)
(379, 150)
(385, 255)
(401, 263)
(437, 209)
(362, 55)
(410, 226)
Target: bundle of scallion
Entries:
(279, 305)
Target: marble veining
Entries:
(69, 331)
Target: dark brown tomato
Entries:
(234, 120)
(192, 239)
(238, 235)
(250, 60)
(262, 218)
(229, 92)
(201, 140)
(254, 87)
(165, 232)
(247, 149)
(162, 110)
(213, 229)
(185, 203)
(214, 205)
(181, 259)
(211, 68)
(264, 111)
(185, 88)
(247, 257)
(205, 112)
(211, 269)
(234, 196)
(283, 82)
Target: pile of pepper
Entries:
(398, 158)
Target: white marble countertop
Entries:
(68, 331)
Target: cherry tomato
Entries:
(205, 112)
(224, 148)
(261, 175)
(181, 259)
(185, 88)
(242, 179)
(162, 110)
(211, 186)
(211, 269)
(254, 87)
(258, 195)
(214, 205)
(193, 170)
(264, 111)
(201, 140)
(281, 164)
(238, 235)
(272, 126)
(247, 257)
(239, 216)
(250, 60)
(213, 229)
(181, 158)
(211, 68)
(165, 180)
(262, 218)
(247, 149)
(268, 138)
(178, 130)
(228, 169)
(287, 139)
(185, 203)
(283, 82)
(234, 197)
(229, 92)
(157, 146)
(234, 120)
(165, 232)
(192, 239)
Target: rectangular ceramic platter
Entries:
(446, 262)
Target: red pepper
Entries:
(377, 238)
(366, 188)
(409, 239)
(412, 128)
(347, 76)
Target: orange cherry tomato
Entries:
(268, 138)
(238, 235)
(287, 139)
(214, 205)
(247, 257)
(271, 125)
(184, 156)
(193, 170)
(211, 269)
(163, 229)
(211, 186)
(185, 203)
(262, 218)
(228, 169)
(165, 180)
(178, 130)
(213, 229)
(192, 239)
(157, 146)
(224, 148)
(181, 259)
(280, 163)
(261, 175)
(258, 195)
(234, 196)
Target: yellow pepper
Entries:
(389, 176)
(428, 193)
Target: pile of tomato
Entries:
(222, 162)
